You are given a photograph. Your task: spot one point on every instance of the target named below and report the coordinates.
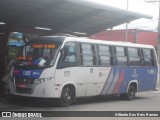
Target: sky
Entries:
(139, 6)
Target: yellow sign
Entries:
(44, 46)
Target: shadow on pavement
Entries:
(43, 102)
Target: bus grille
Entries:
(23, 90)
(24, 81)
(24, 85)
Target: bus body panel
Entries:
(146, 78)
(89, 80)
(107, 80)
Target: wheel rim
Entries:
(131, 92)
(67, 96)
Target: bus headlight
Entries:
(42, 80)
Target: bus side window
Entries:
(133, 57)
(68, 56)
(154, 60)
(121, 56)
(87, 53)
(147, 57)
(104, 55)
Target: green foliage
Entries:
(12, 52)
(15, 36)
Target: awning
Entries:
(67, 16)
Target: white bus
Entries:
(70, 67)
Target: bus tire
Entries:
(130, 95)
(66, 97)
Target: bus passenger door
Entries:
(87, 62)
(89, 79)
(68, 70)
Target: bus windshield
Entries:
(37, 55)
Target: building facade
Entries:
(133, 35)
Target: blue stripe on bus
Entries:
(114, 81)
(106, 84)
(146, 77)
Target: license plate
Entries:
(22, 85)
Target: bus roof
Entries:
(87, 40)
(117, 43)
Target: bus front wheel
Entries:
(130, 95)
(66, 97)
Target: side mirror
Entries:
(62, 51)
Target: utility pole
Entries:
(127, 25)
(158, 40)
(158, 47)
